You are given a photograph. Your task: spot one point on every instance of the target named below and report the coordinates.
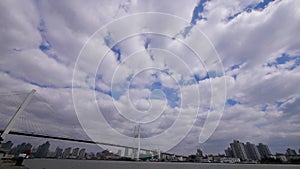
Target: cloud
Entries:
(41, 40)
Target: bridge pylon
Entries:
(16, 115)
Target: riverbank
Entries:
(8, 164)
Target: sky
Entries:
(193, 74)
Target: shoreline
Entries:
(161, 162)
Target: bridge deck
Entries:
(73, 140)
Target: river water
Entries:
(93, 164)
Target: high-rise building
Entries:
(291, 152)
(7, 145)
(58, 152)
(126, 154)
(238, 149)
(199, 153)
(51, 154)
(228, 152)
(67, 152)
(252, 151)
(134, 153)
(119, 152)
(263, 150)
(34, 150)
(28, 146)
(75, 152)
(81, 154)
(19, 149)
(42, 150)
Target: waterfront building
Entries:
(228, 152)
(291, 152)
(230, 160)
(238, 149)
(27, 148)
(7, 145)
(18, 149)
(252, 151)
(81, 154)
(126, 154)
(119, 153)
(264, 150)
(67, 152)
(282, 157)
(90, 156)
(51, 154)
(42, 150)
(199, 153)
(58, 152)
(75, 152)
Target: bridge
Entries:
(8, 130)
(72, 140)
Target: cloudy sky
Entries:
(106, 66)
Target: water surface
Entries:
(95, 164)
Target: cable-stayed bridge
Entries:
(23, 114)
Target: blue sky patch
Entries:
(170, 93)
(156, 85)
(234, 67)
(258, 7)
(234, 76)
(197, 12)
(45, 45)
(279, 103)
(115, 48)
(8, 72)
(262, 5)
(198, 78)
(285, 58)
(147, 43)
(98, 89)
(118, 90)
(197, 15)
(264, 107)
(172, 96)
(232, 102)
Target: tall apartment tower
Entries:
(42, 150)
(252, 151)
(263, 150)
(81, 154)
(67, 152)
(291, 152)
(75, 152)
(199, 153)
(228, 152)
(58, 152)
(126, 154)
(238, 149)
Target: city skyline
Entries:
(236, 152)
(154, 78)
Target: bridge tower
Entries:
(137, 135)
(16, 115)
